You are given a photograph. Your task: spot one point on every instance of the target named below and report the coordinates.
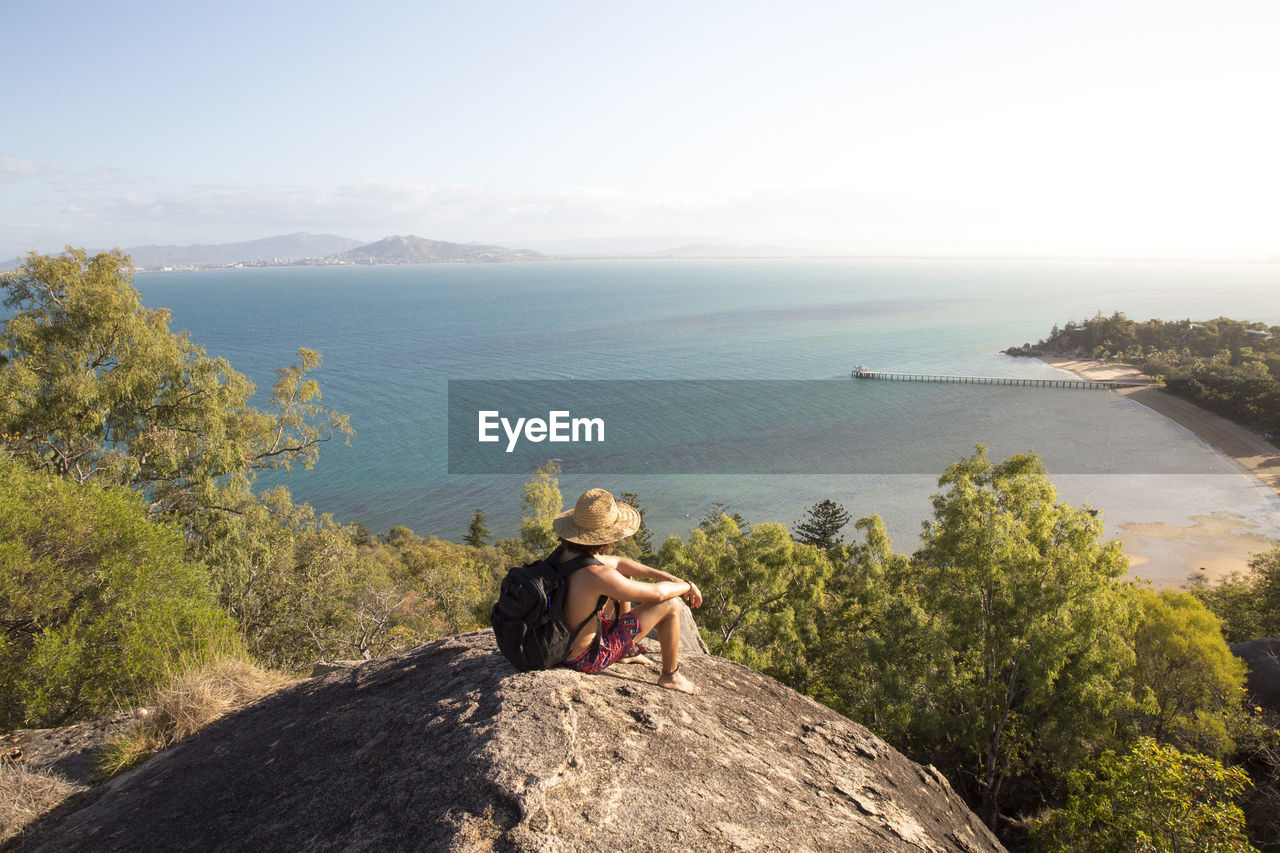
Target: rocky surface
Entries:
(68, 751)
(1263, 659)
(447, 748)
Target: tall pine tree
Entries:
(822, 525)
(477, 534)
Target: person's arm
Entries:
(612, 583)
(629, 568)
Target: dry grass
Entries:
(26, 794)
(191, 701)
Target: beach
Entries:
(1216, 542)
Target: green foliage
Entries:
(542, 503)
(285, 575)
(711, 517)
(1187, 683)
(1248, 604)
(1226, 366)
(1152, 800)
(450, 588)
(761, 593)
(300, 589)
(873, 654)
(1031, 624)
(822, 524)
(1264, 571)
(97, 602)
(94, 386)
(360, 535)
(508, 552)
(477, 533)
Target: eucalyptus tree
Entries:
(95, 386)
(1032, 623)
(541, 504)
(762, 592)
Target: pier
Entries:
(1027, 382)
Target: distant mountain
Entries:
(418, 250)
(289, 247)
(710, 250)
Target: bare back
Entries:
(585, 588)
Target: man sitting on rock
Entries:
(592, 527)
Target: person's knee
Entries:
(656, 614)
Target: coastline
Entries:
(1216, 543)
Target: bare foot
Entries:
(647, 661)
(676, 681)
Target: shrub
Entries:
(1152, 799)
(98, 603)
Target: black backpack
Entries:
(528, 620)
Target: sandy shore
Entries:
(1215, 543)
(1250, 451)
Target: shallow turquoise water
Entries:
(392, 337)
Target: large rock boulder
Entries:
(447, 748)
(1263, 659)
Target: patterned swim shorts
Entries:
(616, 640)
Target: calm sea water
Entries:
(392, 337)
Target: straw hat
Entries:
(597, 519)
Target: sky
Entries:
(918, 127)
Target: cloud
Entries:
(447, 211)
(13, 169)
(128, 210)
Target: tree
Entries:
(98, 604)
(872, 658)
(822, 524)
(360, 535)
(1248, 604)
(1154, 799)
(477, 534)
(94, 386)
(286, 575)
(1264, 572)
(542, 503)
(450, 590)
(761, 593)
(1032, 628)
(643, 537)
(1233, 600)
(711, 517)
(1188, 683)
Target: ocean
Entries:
(392, 338)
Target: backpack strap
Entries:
(593, 614)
